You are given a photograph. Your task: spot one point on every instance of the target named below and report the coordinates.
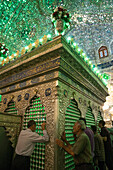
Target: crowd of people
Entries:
(91, 149)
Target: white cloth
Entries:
(27, 140)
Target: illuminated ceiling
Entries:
(24, 21)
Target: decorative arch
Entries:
(36, 111)
(11, 109)
(72, 114)
(103, 52)
(90, 119)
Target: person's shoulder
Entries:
(97, 136)
(25, 131)
(22, 131)
(84, 135)
(104, 129)
(88, 131)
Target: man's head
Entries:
(32, 125)
(94, 128)
(78, 127)
(101, 123)
(82, 118)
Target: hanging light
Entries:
(26, 47)
(49, 36)
(33, 44)
(69, 39)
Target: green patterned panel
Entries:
(90, 120)
(71, 116)
(0, 98)
(99, 117)
(36, 111)
(11, 108)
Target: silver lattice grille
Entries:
(90, 120)
(72, 114)
(36, 111)
(99, 117)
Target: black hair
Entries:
(102, 122)
(94, 128)
(82, 118)
(31, 123)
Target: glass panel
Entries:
(105, 52)
(101, 54)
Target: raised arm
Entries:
(38, 138)
(63, 137)
(65, 147)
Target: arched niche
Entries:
(72, 114)
(11, 109)
(36, 111)
(90, 119)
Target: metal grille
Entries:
(90, 118)
(99, 117)
(11, 108)
(71, 116)
(36, 111)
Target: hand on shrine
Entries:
(60, 143)
(43, 126)
(63, 137)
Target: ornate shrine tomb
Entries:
(52, 83)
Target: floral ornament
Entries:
(26, 97)
(19, 98)
(3, 51)
(5, 101)
(48, 92)
(62, 15)
(65, 93)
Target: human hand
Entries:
(43, 126)
(60, 143)
(63, 137)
